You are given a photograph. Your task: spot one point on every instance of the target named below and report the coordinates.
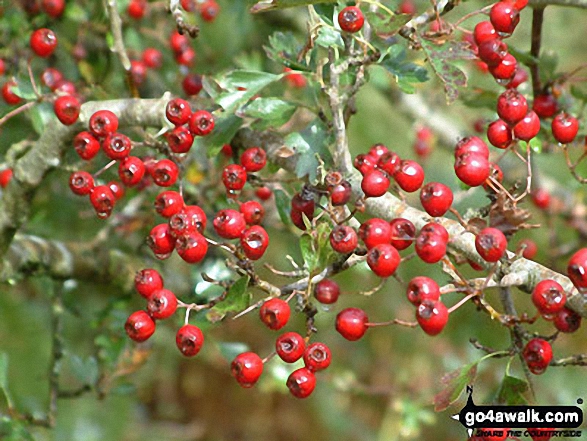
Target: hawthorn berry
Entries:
(162, 304)
(302, 203)
(86, 145)
(290, 347)
(375, 183)
(317, 357)
(192, 84)
(537, 354)
(65, 87)
(327, 291)
(229, 224)
(301, 383)
(375, 231)
(549, 297)
(432, 316)
(138, 72)
(209, 10)
(430, 247)
(9, 96)
(201, 123)
(512, 106)
(383, 259)
(190, 218)
(403, 233)
(152, 58)
(253, 212)
(168, 203)
(364, 163)
(136, 9)
(254, 242)
(520, 75)
(164, 173)
(117, 189)
(186, 57)
(351, 19)
(577, 268)
(117, 146)
(264, 193)
(234, 177)
(567, 320)
(147, 281)
(491, 244)
(275, 313)
(139, 326)
(67, 109)
(541, 198)
(545, 105)
(178, 111)
(43, 42)
(436, 198)
(484, 31)
(5, 177)
(253, 159)
(102, 199)
(492, 52)
(161, 241)
(343, 239)
(436, 229)
(530, 248)
(53, 8)
(389, 162)
(471, 144)
(473, 169)
(180, 140)
(564, 128)
(352, 323)
(422, 288)
(410, 176)
(191, 247)
(103, 123)
(131, 170)
(504, 17)
(81, 183)
(528, 127)
(246, 368)
(189, 340)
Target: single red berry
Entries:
(65, 87)
(302, 204)
(436, 198)
(408, 7)
(512, 106)
(567, 320)
(301, 383)
(327, 291)
(375, 183)
(484, 31)
(528, 127)
(520, 75)
(545, 105)
(103, 123)
(383, 259)
(186, 57)
(504, 17)
(410, 176)
(473, 169)
(189, 340)
(178, 111)
(499, 134)
(564, 128)
(493, 52)
(364, 163)
(190, 218)
(352, 323)
(192, 84)
(530, 248)
(537, 354)
(180, 139)
(389, 162)
(86, 145)
(430, 247)
(201, 123)
(403, 233)
(131, 171)
(227, 150)
(43, 42)
(162, 304)
(246, 368)
(138, 72)
(422, 288)
(263, 193)
(53, 8)
(234, 177)
(9, 96)
(432, 316)
(577, 268)
(436, 229)
(343, 239)
(5, 177)
(290, 347)
(541, 198)
(422, 148)
(161, 241)
(275, 313)
(191, 247)
(117, 146)
(51, 77)
(253, 159)
(81, 183)
(136, 9)
(102, 200)
(351, 19)
(178, 42)
(147, 281)
(375, 231)
(165, 173)
(152, 58)
(229, 224)
(139, 326)
(471, 144)
(67, 109)
(209, 10)
(549, 297)
(378, 150)
(317, 357)
(168, 203)
(253, 212)
(117, 189)
(254, 241)
(491, 244)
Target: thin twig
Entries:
(537, 19)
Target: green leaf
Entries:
(271, 5)
(326, 12)
(536, 145)
(251, 83)
(579, 93)
(86, 371)
(385, 25)
(405, 73)
(237, 299)
(24, 89)
(282, 203)
(441, 58)
(307, 250)
(272, 112)
(225, 127)
(284, 49)
(14, 430)
(309, 145)
(4, 377)
(230, 350)
(41, 115)
(454, 382)
(511, 391)
(315, 247)
(328, 37)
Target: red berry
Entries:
(471, 144)
(65, 87)
(491, 244)
(103, 123)
(343, 239)
(351, 19)
(43, 42)
(520, 75)
(152, 58)
(189, 340)
(504, 17)
(301, 382)
(430, 247)
(209, 10)
(253, 212)
(131, 171)
(383, 259)
(422, 288)
(165, 173)
(9, 96)
(389, 162)
(186, 57)
(375, 231)
(378, 150)
(139, 326)
(138, 72)
(51, 77)
(567, 320)
(375, 183)
(254, 241)
(528, 127)
(364, 163)
(537, 354)
(178, 42)
(432, 316)
(512, 106)
(161, 241)
(192, 84)
(499, 134)
(229, 224)
(352, 323)
(201, 123)
(136, 9)
(541, 198)
(530, 248)
(147, 281)
(81, 183)
(410, 176)
(549, 297)
(263, 193)
(5, 177)
(117, 189)
(180, 140)
(436, 198)
(190, 218)
(484, 31)
(178, 111)
(117, 146)
(493, 52)
(234, 177)
(473, 169)
(403, 233)
(564, 128)
(162, 304)
(85, 145)
(246, 368)
(253, 159)
(302, 204)
(577, 268)
(327, 291)
(53, 8)
(275, 313)
(168, 203)
(103, 200)
(545, 105)
(317, 357)
(67, 109)
(290, 347)
(191, 247)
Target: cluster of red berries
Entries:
(208, 9)
(185, 55)
(53, 8)
(234, 176)
(187, 124)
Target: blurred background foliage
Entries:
(380, 388)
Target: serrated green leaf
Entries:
(284, 48)
(454, 383)
(271, 112)
(229, 350)
(237, 299)
(271, 5)
(511, 391)
(282, 203)
(242, 85)
(329, 37)
(405, 73)
(307, 250)
(310, 144)
(385, 25)
(225, 127)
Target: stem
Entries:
(537, 19)
(57, 353)
(17, 111)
